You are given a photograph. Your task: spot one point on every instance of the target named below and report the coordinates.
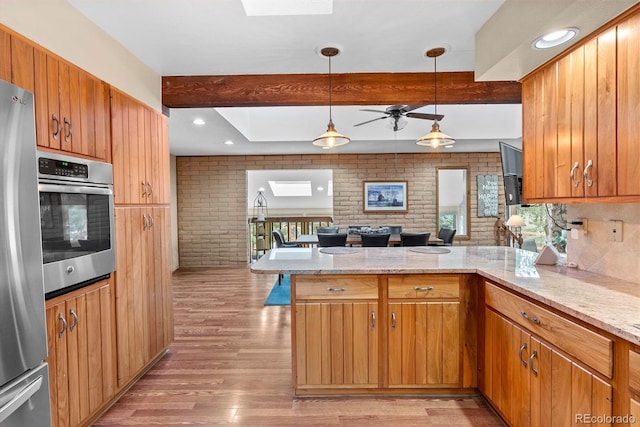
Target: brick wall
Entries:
(211, 195)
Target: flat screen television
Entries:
(511, 158)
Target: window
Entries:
(453, 200)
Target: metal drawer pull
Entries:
(56, 120)
(150, 193)
(586, 173)
(63, 325)
(526, 316)
(418, 288)
(336, 289)
(572, 174)
(373, 319)
(393, 320)
(67, 134)
(72, 312)
(533, 356)
(523, 348)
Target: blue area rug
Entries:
(280, 295)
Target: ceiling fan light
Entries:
(435, 138)
(331, 138)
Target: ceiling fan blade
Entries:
(408, 108)
(375, 111)
(372, 120)
(425, 116)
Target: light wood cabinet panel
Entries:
(81, 353)
(530, 382)
(140, 152)
(634, 409)
(143, 288)
(628, 107)
(72, 108)
(562, 391)
(507, 383)
(561, 332)
(424, 344)
(22, 71)
(634, 371)
(336, 287)
(336, 345)
(580, 121)
(5, 56)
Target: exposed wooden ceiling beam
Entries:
(348, 89)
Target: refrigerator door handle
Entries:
(20, 398)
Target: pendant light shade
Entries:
(331, 138)
(435, 138)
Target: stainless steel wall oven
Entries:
(76, 221)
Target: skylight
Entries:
(287, 7)
(291, 188)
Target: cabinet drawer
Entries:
(587, 346)
(427, 286)
(634, 370)
(336, 287)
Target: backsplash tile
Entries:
(596, 252)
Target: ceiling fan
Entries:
(396, 112)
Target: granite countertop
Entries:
(610, 304)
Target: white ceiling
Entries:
(197, 37)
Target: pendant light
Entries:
(435, 138)
(330, 138)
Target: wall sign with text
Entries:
(487, 195)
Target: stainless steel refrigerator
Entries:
(24, 382)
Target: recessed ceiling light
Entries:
(320, 188)
(228, 142)
(198, 122)
(287, 7)
(554, 38)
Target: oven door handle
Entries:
(76, 189)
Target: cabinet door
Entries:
(5, 56)
(140, 152)
(81, 354)
(131, 306)
(57, 359)
(600, 115)
(562, 391)
(336, 345)
(143, 290)
(507, 348)
(424, 344)
(628, 107)
(22, 70)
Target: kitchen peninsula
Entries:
(451, 320)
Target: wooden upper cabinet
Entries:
(71, 108)
(140, 152)
(5, 56)
(16, 61)
(581, 120)
(629, 107)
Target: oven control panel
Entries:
(54, 167)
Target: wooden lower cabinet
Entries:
(336, 344)
(531, 383)
(424, 331)
(143, 288)
(82, 366)
(388, 334)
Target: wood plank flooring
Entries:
(230, 364)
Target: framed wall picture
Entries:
(385, 196)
